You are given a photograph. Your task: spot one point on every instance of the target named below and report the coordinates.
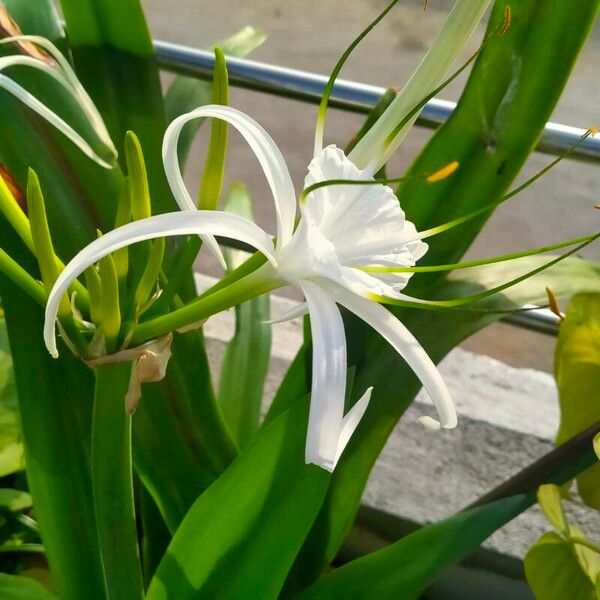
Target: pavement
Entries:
(310, 35)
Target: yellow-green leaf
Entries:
(577, 371)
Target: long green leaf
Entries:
(495, 126)
(406, 568)
(240, 537)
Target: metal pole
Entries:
(347, 95)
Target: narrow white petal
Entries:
(328, 386)
(41, 109)
(170, 224)
(297, 311)
(84, 99)
(263, 146)
(351, 421)
(213, 246)
(392, 330)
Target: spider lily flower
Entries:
(48, 59)
(341, 229)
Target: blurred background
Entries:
(311, 35)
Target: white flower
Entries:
(342, 228)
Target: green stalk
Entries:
(249, 287)
(19, 276)
(113, 484)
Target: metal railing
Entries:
(361, 98)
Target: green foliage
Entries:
(11, 445)
(246, 360)
(577, 371)
(237, 526)
(14, 587)
(563, 563)
(406, 568)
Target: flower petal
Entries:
(392, 330)
(165, 225)
(351, 421)
(41, 109)
(263, 146)
(328, 388)
(297, 311)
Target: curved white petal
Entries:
(392, 330)
(165, 225)
(84, 99)
(263, 146)
(297, 311)
(328, 388)
(41, 109)
(351, 421)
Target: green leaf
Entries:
(102, 22)
(232, 543)
(187, 93)
(14, 587)
(407, 567)
(554, 573)
(548, 497)
(14, 500)
(11, 445)
(577, 371)
(494, 128)
(597, 445)
(246, 360)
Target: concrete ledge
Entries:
(508, 418)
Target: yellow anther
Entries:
(443, 172)
(592, 130)
(553, 304)
(506, 24)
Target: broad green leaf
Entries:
(407, 567)
(187, 93)
(15, 587)
(55, 408)
(11, 445)
(14, 500)
(102, 22)
(554, 573)
(55, 405)
(246, 360)
(577, 371)
(240, 537)
(495, 126)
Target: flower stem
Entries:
(113, 485)
(255, 284)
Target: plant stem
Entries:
(257, 283)
(113, 485)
